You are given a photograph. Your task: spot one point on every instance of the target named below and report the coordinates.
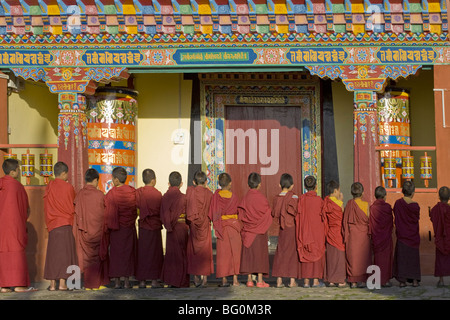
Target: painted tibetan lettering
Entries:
(317, 55)
(214, 56)
(116, 58)
(25, 58)
(410, 55)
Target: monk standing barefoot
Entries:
(13, 231)
(59, 215)
(255, 215)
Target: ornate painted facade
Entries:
(74, 46)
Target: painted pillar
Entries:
(442, 122)
(72, 138)
(112, 132)
(366, 158)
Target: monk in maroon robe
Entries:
(199, 249)
(310, 234)
(14, 210)
(173, 217)
(440, 217)
(333, 211)
(255, 214)
(355, 228)
(150, 249)
(89, 226)
(381, 224)
(223, 213)
(406, 266)
(59, 217)
(121, 215)
(286, 262)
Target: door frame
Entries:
(290, 89)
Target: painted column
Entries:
(112, 132)
(442, 122)
(72, 138)
(366, 158)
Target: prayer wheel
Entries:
(390, 167)
(46, 166)
(112, 119)
(426, 172)
(408, 167)
(10, 156)
(28, 166)
(394, 127)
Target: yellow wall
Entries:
(343, 121)
(33, 119)
(158, 119)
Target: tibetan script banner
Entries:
(226, 56)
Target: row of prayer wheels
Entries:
(28, 165)
(426, 173)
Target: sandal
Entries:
(29, 289)
(5, 290)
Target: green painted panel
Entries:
(185, 9)
(113, 29)
(110, 9)
(38, 30)
(188, 29)
(261, 9)
(35, 10)
(262, 29)
(417, 28)
(415, 7)
(338, 8)
(338, 28)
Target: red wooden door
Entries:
(266, 140)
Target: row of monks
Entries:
(319, 239)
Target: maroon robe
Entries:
(381, 224)
(406, 265)
(59, 210)
(310, 235)
(150, 256)
(355, 228)
(199, 249)
(173, 211)
(335, 247)
(286, 262)
(440, 217)
(255, 214)
(120, 217)
(13, 233)
(228, 234)
(89, 226)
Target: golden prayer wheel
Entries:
(426, 169)
(390, 167)
(46, 166)
(28, 165)
(10, 156)
(408, 167)
(393, 128)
